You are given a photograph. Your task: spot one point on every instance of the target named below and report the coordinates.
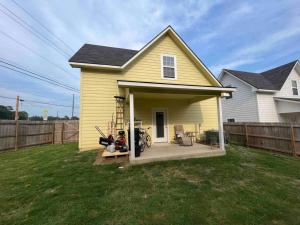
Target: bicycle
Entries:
(145, 139)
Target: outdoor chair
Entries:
(181, 137)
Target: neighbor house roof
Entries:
(272, 79)
(103, 55)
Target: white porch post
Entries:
(131, 112)
(221, 130)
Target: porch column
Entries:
(131, 124)
(221, 130)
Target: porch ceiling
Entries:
(288, 105)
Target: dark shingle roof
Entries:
(271, 79)
(102, 55)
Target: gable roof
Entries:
(87, 56)
(272, 79)
(103, 55)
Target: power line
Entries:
(37, 21)
(47, 79)
(7, 97)
(29, 49)
(38, 102)
(32, 30)
(48, 103)
(35, 77)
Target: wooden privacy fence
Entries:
(278, 137)
(19, 134)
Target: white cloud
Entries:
(254, 52)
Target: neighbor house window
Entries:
(294, 87)
(168, 67)
(231, 120)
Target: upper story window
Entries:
(294, 87)
(168, 64)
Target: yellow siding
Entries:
(148, 67)
(98, 88)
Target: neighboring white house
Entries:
(270, 96)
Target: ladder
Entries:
(120, 101)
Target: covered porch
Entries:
(166, 151)
(160, 107)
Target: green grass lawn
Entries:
(57, 185)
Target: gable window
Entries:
(168, 69)
(294, 87)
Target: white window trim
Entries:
(162, 67)
(295, 88)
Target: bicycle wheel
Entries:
(142, 145)
(148, 141)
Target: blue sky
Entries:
(245, 35)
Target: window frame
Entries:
(294, 87)
(162, 67)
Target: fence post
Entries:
(62, 132)
(293, 142)
(246, 134)
(17, 135)
(53, 132)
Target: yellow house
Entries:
(164, 84)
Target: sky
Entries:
(243, 35)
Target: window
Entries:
(231, 120)
(294, 87)
(168, 67)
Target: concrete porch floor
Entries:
(164, 152)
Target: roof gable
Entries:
(272, 79)
(132, 55)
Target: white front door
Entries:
(160, 125)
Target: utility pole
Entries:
(72, 107)
(17, 108)
(17, 122)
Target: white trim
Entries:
(173, 86)
(286, 100)
(220, 120)
(131, 121)
(145, 48)
(266, 90)
(96, 66)
(166, 125)
(162, 67)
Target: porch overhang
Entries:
(288, 105)
(173, 88)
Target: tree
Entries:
(23, 115)
(6, 112)
(66, 118)
(36, 118)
